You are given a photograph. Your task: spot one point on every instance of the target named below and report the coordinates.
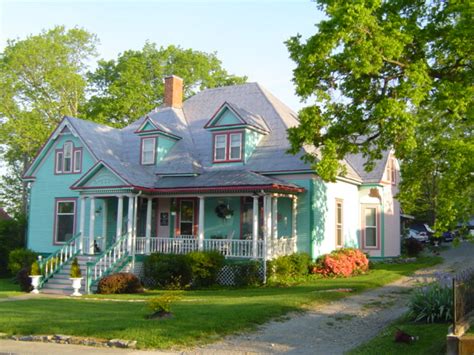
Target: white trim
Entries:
(148, 119)
(93, 170)
(142, 158)
(56, 218)
(225, 146)
(240, 145)
(77, 158)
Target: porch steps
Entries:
(61, 284)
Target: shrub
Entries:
(205, 266)
(288, 266)
(121, 282)
(246, 273)
(162, 304)
(24, 280)
(342, 262)
(35, 269)
(20, 259)
(169, 271)
(432, 303)
(413, 247)
(75, 269)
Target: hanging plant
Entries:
(224, 211)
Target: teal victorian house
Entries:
(211, 172)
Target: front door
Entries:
(186, 217)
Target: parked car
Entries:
(448, 236)
(422, 237)
(425, 228)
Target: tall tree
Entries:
(124, 89)
(42, 78)
(396, 73)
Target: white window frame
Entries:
(240, 146)
(376, 227)
(68, 148)
(142, 160)
(77, 161)
(339, 224)
(59, 161)
(56, 218)
(225, 146)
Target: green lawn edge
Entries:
(200, 317)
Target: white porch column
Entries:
(201, 224)
(267, 223)
(294, 216)
(148, 225)
(119, 217)
(131, 201)
(134, 231)
(82, 222)
(275, 218)
(92, 226)
(255, 228)
(104, 225)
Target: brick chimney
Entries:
(173, 91)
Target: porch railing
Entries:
(282, 246)
(54, 262)
(107, 262)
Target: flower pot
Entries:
(76, 285)
(35, 281)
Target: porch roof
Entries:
(223, 180)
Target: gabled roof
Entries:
(357, 162)
(155, 127)
(246, 118)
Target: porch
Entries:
(251, 226)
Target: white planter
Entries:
(76, 285)
(35, 281)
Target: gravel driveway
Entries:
(341, 325)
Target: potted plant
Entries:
(76, 277)
(35, 276)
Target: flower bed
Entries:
(342, 262)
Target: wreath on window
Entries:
(224, 211)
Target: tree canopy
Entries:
(129, 87)
(392, 74)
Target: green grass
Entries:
(8, 288)
(432, 340)
(199, 317)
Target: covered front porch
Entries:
(239, 225)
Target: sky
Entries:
(247, 35)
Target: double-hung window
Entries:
(235, 146)
(148, 151)
(228, 147)
(67, 164)
(339, 224)
(370, 227)
(220, 147)
(64, 220)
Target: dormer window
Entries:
(68, 159)
(227, 147)
(148, 149)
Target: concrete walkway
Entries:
(326, 329)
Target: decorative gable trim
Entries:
(64, 128)
(212, 123)
(91, 173)
(144, 131)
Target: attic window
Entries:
(228, 147)
(391, 172)
(148, 151)
(68, 159)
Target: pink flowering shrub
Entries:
(342, 262)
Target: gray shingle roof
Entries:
(357, 161)
(192, 154)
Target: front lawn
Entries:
(8, 288)
(432, 340)
(199, 317)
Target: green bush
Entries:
(162, 304)
(122, 282)
(169, 271)
(288, 266)
(246, 273)
(35, 269)
(432, 303)
(20, 259)
(12, 236)
(205, 266)
(75, 272)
